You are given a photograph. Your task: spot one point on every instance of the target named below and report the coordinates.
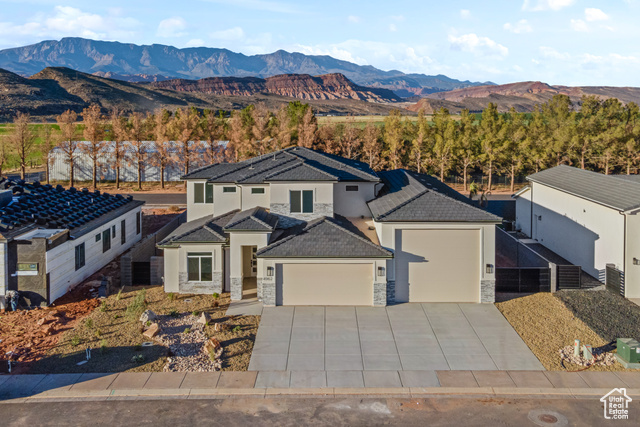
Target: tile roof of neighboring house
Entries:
(324, 238)
(633, 178)
(622, 194)
(257, 169)
(36, 206)
(411, 197)
(300, 171)
(256, 219)
(208, 229)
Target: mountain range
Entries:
(157, 62)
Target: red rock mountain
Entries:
(301, 86)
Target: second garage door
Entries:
(324, 284)
(437, 265)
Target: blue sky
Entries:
(565, 42)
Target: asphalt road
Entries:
(438, 411)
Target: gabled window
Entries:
(301, 201)
(198, 192)
(200, 266)
(80, 256)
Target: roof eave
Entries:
(617, 208)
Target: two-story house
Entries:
(304, 227)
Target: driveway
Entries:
(432, 336)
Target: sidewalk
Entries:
(263, 384)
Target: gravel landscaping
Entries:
(547, 326)
(607, 314)
(114, 333)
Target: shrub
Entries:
(216, 295)
(174, 208)
(195, 313)
(89, 323)
(119, 296)
(138, 305)
(187, 331)
(98, 333)
(75, 341)
(148, 322)
(174, 313)
(237, 328)
(138, 358)
(117, 316)
(171, 296)
(103, 306)
(103, 346)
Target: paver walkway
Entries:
(409, 337)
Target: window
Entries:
(198, 192)
(98, 237)
(200, 266)
(138, 219)
(301, 201)
(123, 232)
(208, 197)
(79, 256)
(228, 189)
(257, 191)
(352, 188)
(113, 231)
(106, 240)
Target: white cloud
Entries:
(522, 26)
(235, 33)
(393, 28)
(546, 5)
(592, 14)
(195, 43)
(172, 27)
(268, 6)
(465, 14)
(353, 19)
(579, 25)
(549, 52)
(479, 46)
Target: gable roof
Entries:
(412, 197)
(256, 219)
(317, 164)
(324, 238)
(300, 171)
(613, 191)
(208, 229)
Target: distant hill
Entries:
(523, 96)
(57, 89)
(158, 62)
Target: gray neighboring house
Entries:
(52, 239)
(302, 227)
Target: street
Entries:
(349, 411)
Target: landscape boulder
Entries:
(152, 331)
(204, 318)
(221, 327)
(148, 316)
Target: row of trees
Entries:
(601, 135)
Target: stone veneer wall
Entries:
(269, 293)
(488, 291)
(391, 292)
(287, 219)
(259, 282)
(236, 288)
(380, 294)
(187, 287)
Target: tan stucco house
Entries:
(309, 228)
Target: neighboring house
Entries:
(588, 218)
(310, 228)
(51, 238)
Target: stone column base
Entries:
(488, 291)
(236, 288)
(380, 294)
(269, 293)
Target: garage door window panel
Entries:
(200, 266)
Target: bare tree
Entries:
(371, 146)
(162, 155)
(137, 131)
(307, 129)
(236, 137)
(119, 134)
(261, 141)
(48, 142)
(22, 140)
(212, 128)
(184, 127)
(68, 143)
(93, 134)
(282, 130)
(351, 140)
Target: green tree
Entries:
(420, 153)
(444, 138)
(467, 148)
(393, 139)
(491, 134)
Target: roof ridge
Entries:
(200, 169)
(334, 222)
(258, 172)
(209, 229)
(332, 158)
(251, 216)
(302, 163)
(309, 226)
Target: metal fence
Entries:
(614, 279)
(523, 279)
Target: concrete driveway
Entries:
(432, 336)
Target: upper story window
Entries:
(351, 188)
(228, 189)
(202, 193)
(257, 190)
(301, 201)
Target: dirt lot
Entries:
(546, 325)
(114, 334)
(154, 219)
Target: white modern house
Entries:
(588, 218)
(308, 228)
(52, 239)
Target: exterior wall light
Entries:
(636, 261)
(380, 271)
(489, 269)
(269, 271)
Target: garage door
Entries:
(324, 284)
(438, 265)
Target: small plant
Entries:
(187, 331)
(171, 296)
(103, 306)
(119, 296)
(103, 346)
(89, 323)
(98, 333)
(138, 358)
(196, 313)
(216, 295)
(139, 304)
(174, 313)
(75, 341)
(117, 316)
(237, 328)
(174, 208)
(137, 347)
(148, 323)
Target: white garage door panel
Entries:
(438, 265)
(325, 284)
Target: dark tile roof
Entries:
(43, 206)
(257, 169)
(256, 219)
(208, 229)
(300, 171)
(412, 197)
(633, 178)
(613, 191)
(323, 238)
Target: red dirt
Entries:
(154, 219)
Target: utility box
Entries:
(629, 352)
